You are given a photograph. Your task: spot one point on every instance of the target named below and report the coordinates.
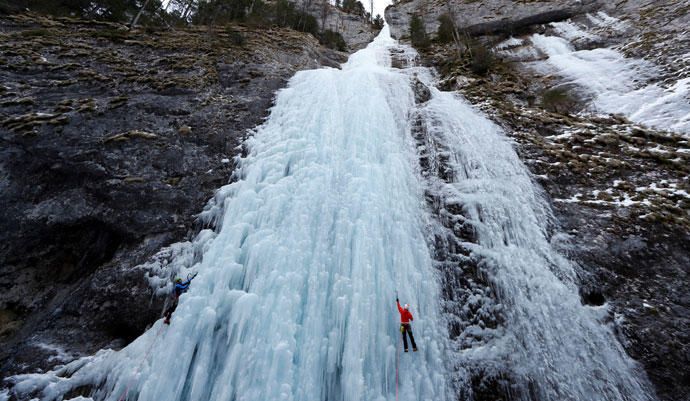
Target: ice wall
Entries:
(556, 348)
(295, 297)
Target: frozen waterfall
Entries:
(295, 297)
(295, 294)
(558, 349)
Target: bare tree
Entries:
(462, 41)
(141, 10)
(325, 12)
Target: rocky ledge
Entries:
(112, 140)
(483, 17)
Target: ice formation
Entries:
(327, 222)
(558, 349)
(295, 297)
(615, 83)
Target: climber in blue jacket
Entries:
(180, 288)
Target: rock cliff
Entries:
(356, 31)
(112, 142)
(562, 79)
(483, 17)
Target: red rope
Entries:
(146, 356)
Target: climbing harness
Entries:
(146, 356)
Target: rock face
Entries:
(112, 141)
(356, 31)
(618, 189)
(483, 17)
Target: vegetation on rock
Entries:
(152, 14)
(446, 29)
(418, 35)
(558, 100)
(482, 58)
(378, 21)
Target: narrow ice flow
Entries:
(295, 296)
(616, 84)
(558, 349)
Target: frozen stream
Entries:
(295, 294)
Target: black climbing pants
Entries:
(405, 329)
(169, 311)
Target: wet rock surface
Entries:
(619, 190)
(112, 142)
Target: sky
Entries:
(379, 6)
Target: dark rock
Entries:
(136, 155)
(421, 93)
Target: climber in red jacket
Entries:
(405, 328)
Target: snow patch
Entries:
(572, 31)
(510, 42)
(60, 354)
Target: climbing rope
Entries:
(397, 355)
(146, 356)
(397, 363)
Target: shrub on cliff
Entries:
(418, 35)
(378, 22)
(333, 40)
(282, 13)
(558, 100)
(446, 29)
(108, 10)
(285, 14)
(236, 38)
(354, 7)
(481, 58)
(222, 11)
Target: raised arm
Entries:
(189, 281)
(400, 309)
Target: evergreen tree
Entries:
(109, 10)
(446, 29)
(354, 7)
(221, 11)
(418, 35)
(378, 21)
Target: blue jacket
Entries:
(182, 287)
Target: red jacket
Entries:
(405, 315)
